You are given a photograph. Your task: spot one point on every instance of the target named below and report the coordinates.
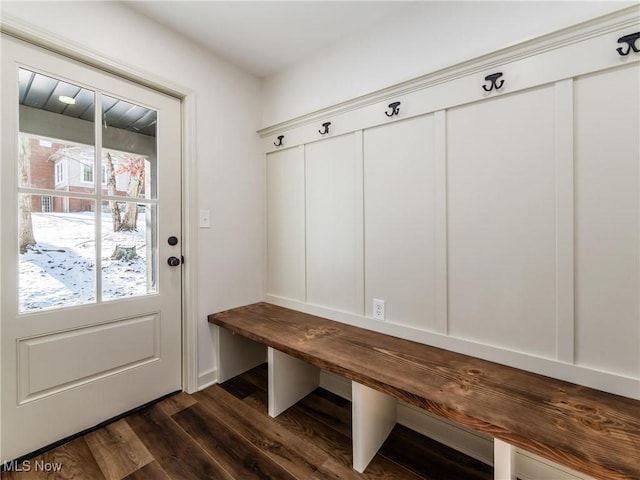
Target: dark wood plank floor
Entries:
(224, 432)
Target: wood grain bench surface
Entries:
(594, 432)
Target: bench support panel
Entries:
(504, 460)
(290, 380)
(237, 354)
(373, 417)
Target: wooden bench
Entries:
(591, 431)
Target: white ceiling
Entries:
(264, 37)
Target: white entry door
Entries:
(90, 247)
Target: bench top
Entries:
(591, 431)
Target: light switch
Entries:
(205, 219)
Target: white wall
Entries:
(421, 38)
(230, 177)
(520, 238)
(417, 40)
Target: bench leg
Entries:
(237, 354)
(374, 416)
(504, 460)
(290, 380)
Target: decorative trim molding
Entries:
(565, 243)
(190, 380)
(621, 19)
(441, 227)
(548, 62)
(18, 28)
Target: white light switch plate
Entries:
(205, 219)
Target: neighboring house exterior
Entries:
(73, 172)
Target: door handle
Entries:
(173, 261)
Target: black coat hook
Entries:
(494, 84)
(326, 128)
(395, 108)
(279, 144)
(630, 40)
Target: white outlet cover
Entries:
(378, 309)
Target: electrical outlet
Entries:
(378, 309)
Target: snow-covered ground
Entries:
(61, 269)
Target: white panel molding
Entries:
(605, 381)
(359, 191)
(553, 63)
(399, 221)
(334, 211)
(285, 218)
(302, 150)
(501, 221)
(60, 361)
(441, 215)
(607, 233)
(565, 299)
(570, 49)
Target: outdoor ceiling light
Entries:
(67, 100)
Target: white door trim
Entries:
(17, 28)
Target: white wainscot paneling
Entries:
(334, 223)
(607, 153)
(501, 219)
(285, 224)
(399, 221)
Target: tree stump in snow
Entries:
(122, 251)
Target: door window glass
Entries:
(64, 240)
(57, 270)
(129, 238)
(53, 109)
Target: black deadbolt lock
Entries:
(172, 240)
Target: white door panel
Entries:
(86, 332)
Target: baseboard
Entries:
(335, 384)
(469, 442)
(479, 446)
(207, 378)
(532, 467)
